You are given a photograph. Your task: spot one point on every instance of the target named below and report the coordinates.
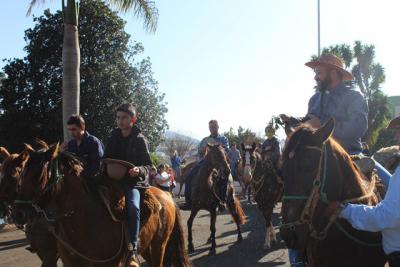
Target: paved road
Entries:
(248, 253)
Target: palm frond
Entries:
(32, 4)
(141, 8)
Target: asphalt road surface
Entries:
(249, 252)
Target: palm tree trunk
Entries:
(71, 76)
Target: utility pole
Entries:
(319, 29)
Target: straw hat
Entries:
(332, 61)
(117, 169)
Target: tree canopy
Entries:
(113, 71)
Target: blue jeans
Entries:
(383, 174)
(132, 200)
(294, 258)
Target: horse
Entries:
(248, 164)
(184, 172)
(39, 238)
(205, 196)
(267, 188)
(317, 171)
(389, 157)
(87, 234)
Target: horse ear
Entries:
(253, 146)
(323, 133)
(23, 156)
(4, 152)
(52, 153)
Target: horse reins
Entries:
(55, 178)
(318, 194)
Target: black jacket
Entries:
(133, 149)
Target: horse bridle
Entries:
(55, 178)
(318, 194)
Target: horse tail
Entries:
(176, 254)
(235, 208)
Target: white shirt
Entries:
(384, 217)
(163, 179)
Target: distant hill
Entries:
(172, 134)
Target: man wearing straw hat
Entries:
(129, 145)
(334, 99)
(384, 217)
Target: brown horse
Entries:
(317, 171)
(268, 189)
(86, 233)
(40, 239)
(205, 196)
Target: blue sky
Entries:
(240, 61)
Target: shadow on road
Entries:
(250, 251)
(6, 245)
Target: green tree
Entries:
(112, 72)
(242, 136)
(70, 49)
(368, 77)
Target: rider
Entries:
(234, 159)
(271, 147)
(335, 99)
(84, 145)
(129, 144)
(214, 138)
(384, 217)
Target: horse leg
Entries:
(248, 189)
(193, 214)
(269, 233)
(180, 189)
(213, 220)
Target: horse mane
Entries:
(305, 131)
(71, 162)
(42, 144)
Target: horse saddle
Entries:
(112, 195)
(367, 167)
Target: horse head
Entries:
(10, 171)
(34, 180)
(249, 162)
(301, 166)
(216, 157)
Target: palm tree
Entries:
(71, 52)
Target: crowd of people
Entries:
(333, 99)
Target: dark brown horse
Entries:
(317, 171)
(205, 194)
(86, 233)
(41, 241)
(267, 188)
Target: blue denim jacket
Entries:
(350, 111)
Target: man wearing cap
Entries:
(271, 148)
(334, 99)
(384, 217)
(127, 143)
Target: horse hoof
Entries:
(240, 239)
(190, 248)
(212, 252)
